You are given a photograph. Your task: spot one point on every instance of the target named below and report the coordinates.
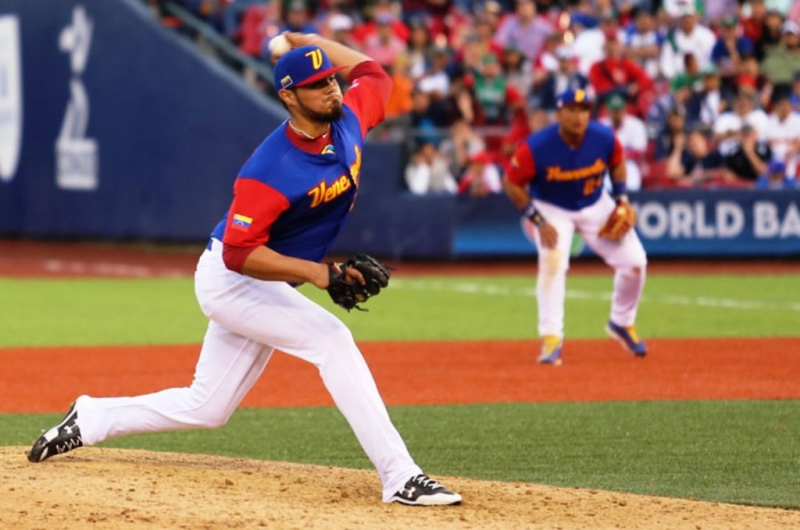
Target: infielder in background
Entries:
(556, 181)
(291, 199)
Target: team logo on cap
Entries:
(316, 58)
(286, 82)
(580, 95)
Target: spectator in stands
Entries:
(794, 95)
(485, 31)
(689, 37)
(730, 46)
(705, 105)
(588, 41)
(426, 120)
(524, 30)
(384, 45)
(620, 75)
(753, 25)
(565, 77)
(775, 178)
(436, 80)
(534, 119)
(748, 160)
(296, 18)
(428, 173)
(493, 93)
(469, 59)
(794, 12)
(340, 29)
(462, 144)
(233, 14)
(782, 61)
(435, 11)
(674, 124)
(418, 47)
(771, 32)
(642, 41)
(631, 134)
(783, 133)
(667, 117)
(401, 99)
(692, 160)
(518, 71)
(728, 126)
(481, 178)
(259, 22)
(547, 62)
(752, 81)
(716, 10)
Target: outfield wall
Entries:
(126, 131)
(113, 127)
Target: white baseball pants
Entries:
(249, 319)
(627, 257)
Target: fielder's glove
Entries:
(347, 292)
(621, 220)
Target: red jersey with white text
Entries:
(570, 177)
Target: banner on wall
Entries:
(701, 223)
(76, 155)
(720, 222)
(10, 97)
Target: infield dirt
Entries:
(127, 489)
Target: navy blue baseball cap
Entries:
(574, 96)
(301, 66)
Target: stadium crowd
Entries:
(700, 93)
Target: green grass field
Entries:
(745, 452)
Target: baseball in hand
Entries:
(278, 45)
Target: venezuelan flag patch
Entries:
(241, 222)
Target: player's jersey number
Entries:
(591, 185)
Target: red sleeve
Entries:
(617, 155)
(234, 257)
(370, 88)
(522, 168)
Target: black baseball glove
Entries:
(347, 292)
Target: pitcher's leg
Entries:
(227, 368)
(276, 314)
(350, 383)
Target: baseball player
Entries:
(556, 181)
(291, 199)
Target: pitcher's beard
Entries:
(332, 115)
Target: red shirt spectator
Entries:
(617, 74)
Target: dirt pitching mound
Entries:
(112, 488)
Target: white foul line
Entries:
(697, 301)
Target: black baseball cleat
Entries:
(424, 491)
(62, 438)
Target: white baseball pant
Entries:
(627, 257)
(250, 318)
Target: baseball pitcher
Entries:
(291, 199)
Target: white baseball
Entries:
(278, 45)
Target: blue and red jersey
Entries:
(570, 177)
(294, 195)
